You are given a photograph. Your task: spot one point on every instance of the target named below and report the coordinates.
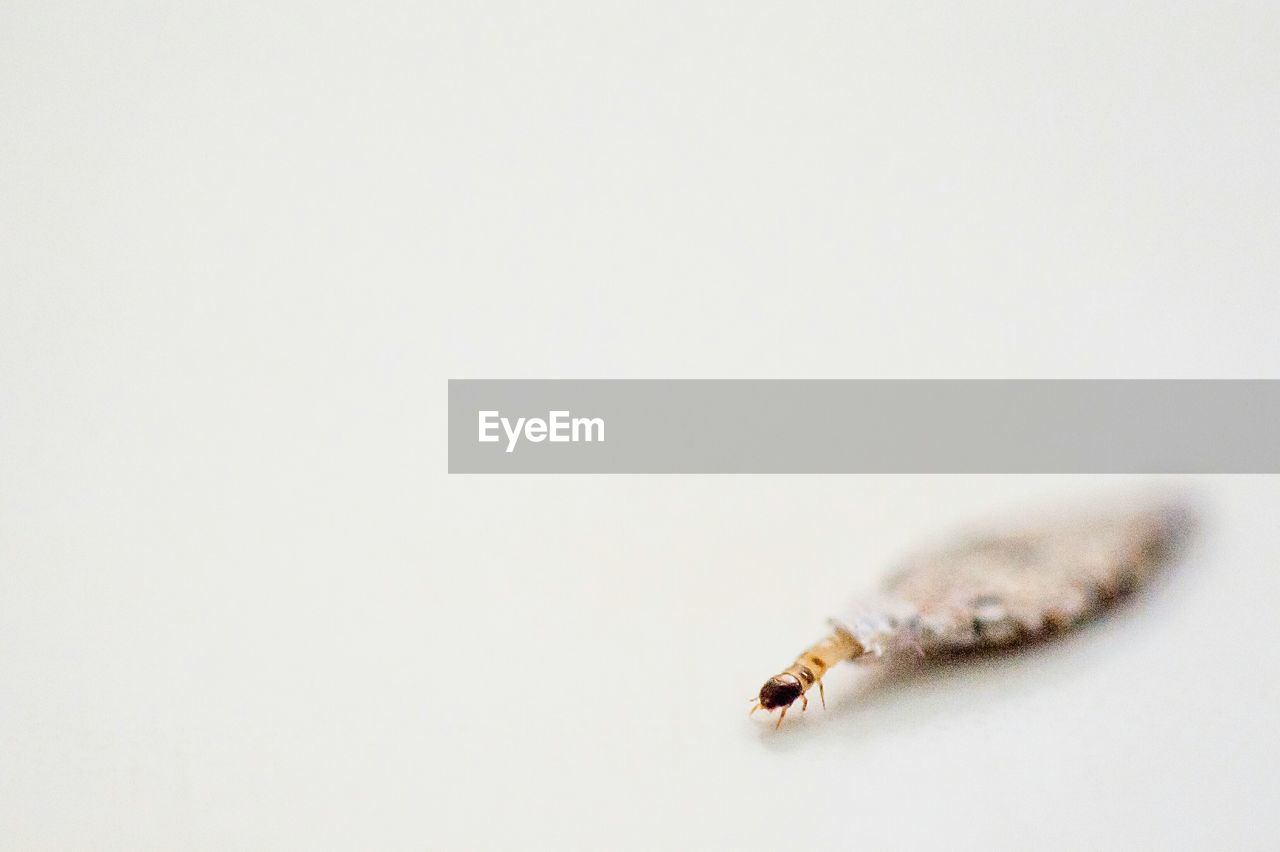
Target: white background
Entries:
(243, 246)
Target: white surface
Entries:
(242, 605)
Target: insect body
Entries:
(989, 591)
(783, 690)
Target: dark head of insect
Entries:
(780, 691)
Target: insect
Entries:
(991, 590)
